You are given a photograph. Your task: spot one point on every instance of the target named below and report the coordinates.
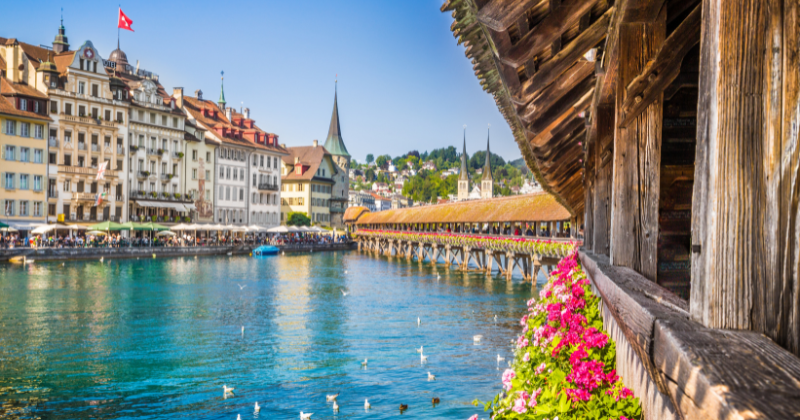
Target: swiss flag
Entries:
(124, 21)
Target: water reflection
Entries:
(158, 338)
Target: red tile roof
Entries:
(539, 207)
(209, 116)
(310, 157)
(7, 108)
(34, 53)
(9, 88)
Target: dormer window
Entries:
(23, 104)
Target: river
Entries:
(158, 338)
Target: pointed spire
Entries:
(61, 43)
(464, 172)
(221, 101)
(487, 167)
(334, 143)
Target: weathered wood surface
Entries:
(500, 14)
(659, 72)
(603, 166)
(637, 158)
(708, 373)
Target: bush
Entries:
(563, 362)
(297, 218)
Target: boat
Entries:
(20, 259)
(266, 250)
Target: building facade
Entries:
(334, 144)
(463, 175)
(309, 176)
(198, 175)
(487, 180)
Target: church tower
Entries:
(463, 175)
(487, 182)
(61, 43)
(340, 195)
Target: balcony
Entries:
(268, 187)
(83, 171)
(177, 155)
(81, 146)
(166, 177)
(134, 148)
(142, 174)
(154, 152)
(84, 196)
(52, 142)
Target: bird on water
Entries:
(227, 390)
(364, 363)
(305, 416)
(258, 407)
(331, 397)
(403, 407)
(431, 377)
(367, 405)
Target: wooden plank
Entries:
(558, 88)
(567, 90)
(500, 14)
(604, 120)
(637, 159)
(645, 88)
(643, 11)
(541, 37)
(574, 51)
(541, 138)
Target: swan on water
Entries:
(477, 338)
(364, 363)
(418, 321)
(335, 407)
(423, 358)
(431, 377)
(227, 390)
(258, 407)
(500, 359)
(332, 397)
(367, 405)
(305, 416)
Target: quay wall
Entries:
(49, 254)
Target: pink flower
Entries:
(508, 375)
(524, 320)
(532, 403)
(541, 368)
(520, 405)
(474, 417)
(526, 357)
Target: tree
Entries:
(382, 178)
(370, 158)
(413, 153)
(298, 218)
(369, 175)
(353, 164)
(479, 159)
(382, 161)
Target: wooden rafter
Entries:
(541, 113)
(663, 69)
(541, 133)
(561, 85)
(548, 31)
(500, 14)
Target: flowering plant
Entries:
(546, 247)
(563, 362)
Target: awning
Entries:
(190, 206)
(159, 204)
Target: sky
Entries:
(404, 83)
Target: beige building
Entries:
(308, 176)
(198, 175)
(23, 167)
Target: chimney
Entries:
(228, 111)
(296, 160)
(283, 145)
(316, 143)
(177, 93)
(13, 61)
(246, 113)
(199, 94)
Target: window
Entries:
(67, 185)
(262, 161)
(152, 118)
(228, 173)
(255, 160)
(38, 131)
(208, 175)
(221, 192)
(24, 129)
(94, 90)
(275, 162)
(67, 109)
(163, 120)
(194, 155)
(107, 115)
(68, 160)
(81, 85)
(119, 117)
(255, 184)
(228, 193)
(174, 122)
(208, 157)
(194, 173)
(241, 194)
(23, 104)
(37, 208)
(24, 154)
(10, 152)
(95, 113)
(52, 158)
(9, 183)
(23, 207)
(241, 174)
(221, 172)
(81, 111)
(53, 107)
(8, 207)
(11, 127)
(141, 116)
(37, 182)
(37, 155)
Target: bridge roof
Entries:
(540, 207)
(351, 214)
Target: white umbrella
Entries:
(96, 232)
(74, 227)
(317, 229)
(256, 228)
(305, 229)
(294, 229)
(165, 233)
(180, 226)
(8, 229)
(43, 229)
(278, 229)
(236, 228)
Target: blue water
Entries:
(158, 338)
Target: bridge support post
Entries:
(448, 255)
(489, 261)
(389, 248)
(409, 248)
(466, 253)
(434, 254)
(359, 245)
(510, 264)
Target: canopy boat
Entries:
(266, 250)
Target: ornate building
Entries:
(309, 178)
(487, 182)
(463, 175)
(334, 144)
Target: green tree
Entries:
(369, 175)
(298, 218)
(382, 161)
(381, 178)
(370, 158)
(353, 164)
(479, 159)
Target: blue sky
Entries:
(404, 83)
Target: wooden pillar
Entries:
(509, 264)
(589, 180)
(745, 227)
(489, 261)
(604, 153)
(637, 156)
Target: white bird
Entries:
(477, 338)
(418, 321)
(241, 287)
(227, 390)
(283, 253)
(238, 417)
(335, 406)
(62, 264)
(438, 276)
(495, 318)
(102, 258)
(364, 363)
(423, 358)
(419, 350)
(27, 261)
(367, 405)
(258, 407)
(345, 271)
(431, 377)
(500, 359)
(305, 416)
(344, 293)
(332, 397)
(230, 253)
(242, 329)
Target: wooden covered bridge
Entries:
(669, 130)
(522, 232)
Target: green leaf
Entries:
(543, 409)
(563, 404)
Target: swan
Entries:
(367, 405)
(335, 406)
(418, 321)
(258, 407)
(332, 397)
(364, 363)
(431, 377)
(227, 390)
(419, 350)
(305, 416)
(477, 338)
(423, 358)
(500, 359)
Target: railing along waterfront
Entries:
(509, 252)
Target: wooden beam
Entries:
(562, 90)
(500, 14)
(559, 87)
(575, 98)
(642, 11)
(637, 158)
(604, 121)
(574, 51)
(545, 33)
(541, 138)
(661, 71)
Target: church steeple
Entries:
(487, 182)
(334, 143)
(463, 175)
(221, 101)
(61, 43)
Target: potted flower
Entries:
(165, 194)
(160, 151)
(154, 194)
(179, 154)
(177, 195)
(187, 219)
